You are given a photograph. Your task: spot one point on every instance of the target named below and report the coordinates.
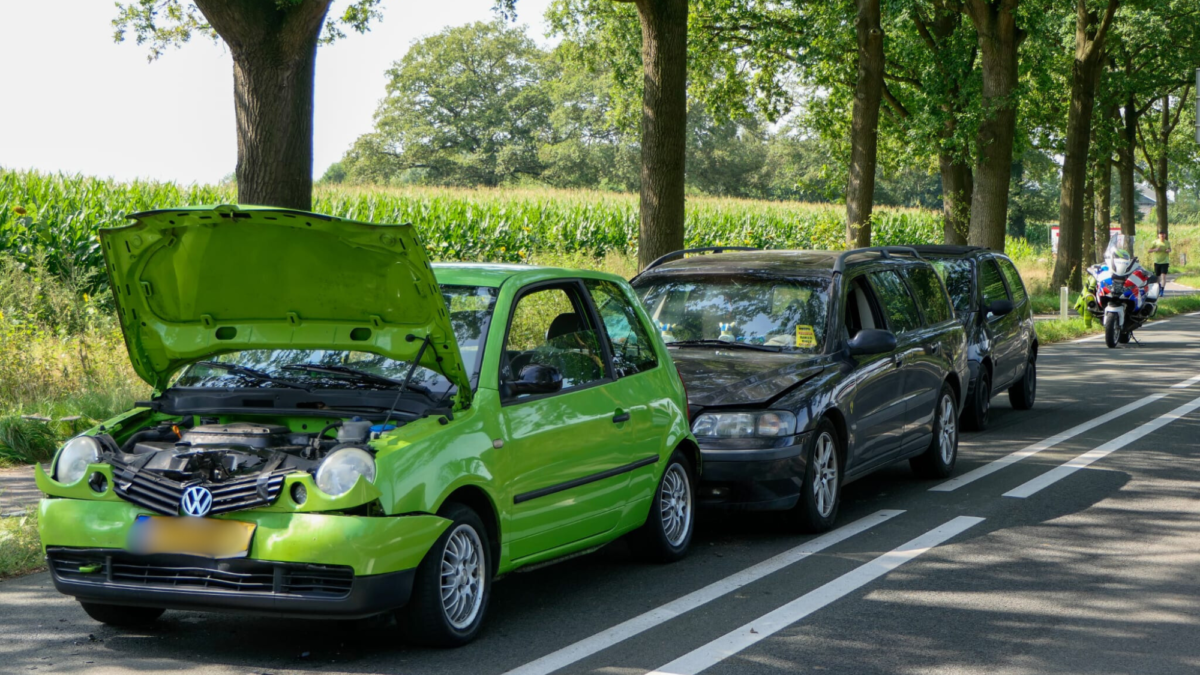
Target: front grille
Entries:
(162, 495)
(200, 574)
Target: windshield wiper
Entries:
(359, 375)
(722, 343)
(252, 374)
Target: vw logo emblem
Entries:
(196, 501)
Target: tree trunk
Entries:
(1125, 157)
(664, 126)
(957, 186)
(1017, 220)
(1088, 233)
(1160, 173)
(999, 39)
(1103, 208)
(1089, 57)
(274, 48)
(864, 125)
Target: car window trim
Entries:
(582, 296)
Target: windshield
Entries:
(788, 314)
(956, 273)
(470, 314)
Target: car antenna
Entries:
(408, 376)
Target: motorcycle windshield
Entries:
(1119, 254)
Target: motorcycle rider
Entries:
(1162, 257)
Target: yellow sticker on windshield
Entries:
(805, 337)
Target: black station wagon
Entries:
(807, 369)
(997, 315)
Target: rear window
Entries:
(959, 280)
(928, 289)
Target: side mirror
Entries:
(871, 341)
(1000, 307)
(536, 379)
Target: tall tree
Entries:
(1155, 145)
(864, 123)
(1000, 38)
(274, 49)
(664, 126)
(1090, 33)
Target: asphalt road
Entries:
(1068, 543)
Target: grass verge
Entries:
(20, 547)
(1058, 330)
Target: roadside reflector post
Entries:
(1063, 294)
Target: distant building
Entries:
(1145, 200)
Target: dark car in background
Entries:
(806, 370)
(997, 314)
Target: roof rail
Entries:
(703, 249)
(884, 252)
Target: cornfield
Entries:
(57, 216)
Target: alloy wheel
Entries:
(825, 474)
(462, 577)
(948, 429)
(675, 504)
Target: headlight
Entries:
(340, 470)
(74, 458)
(764, 424)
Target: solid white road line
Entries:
(1044, 444)
(1063, 470)
(1186, 383)
(644, 622)
(1089, 339)
(1193, 314)
(1152, 324)
(773, 622)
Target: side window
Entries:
(1013, 277)
(930, 293)
(898, 304)
(633, 351)
(991, 284)
(549, 327)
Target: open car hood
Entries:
(194, 282)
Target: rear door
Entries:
(928, 369)
(1026, 333)
(878, 404)
(1002, 331)
(904, 320)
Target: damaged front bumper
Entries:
(317, 565)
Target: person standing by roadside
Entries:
(1162, 258)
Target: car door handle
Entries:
(621, 417)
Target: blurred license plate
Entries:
(191, 536)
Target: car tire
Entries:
(122, 616)
(667, 532)
(821, 489)
(1111, 330)
(979, 404)
(1022, 394)
(463, 556)
(938, 461)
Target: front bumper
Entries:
(754, 479)
(299, 564)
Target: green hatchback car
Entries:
(340, 429)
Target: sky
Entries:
(74, 101)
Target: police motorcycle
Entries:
(1122, 294)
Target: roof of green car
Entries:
(493, 275)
